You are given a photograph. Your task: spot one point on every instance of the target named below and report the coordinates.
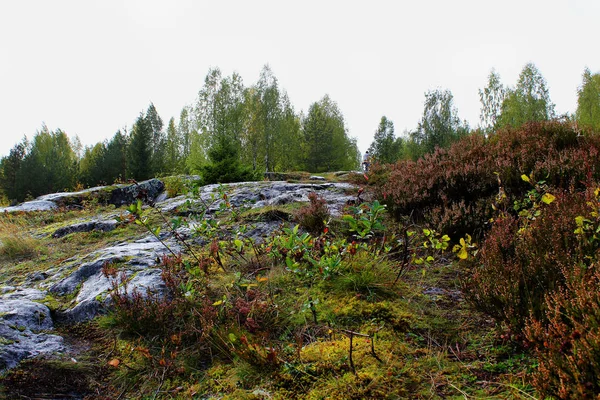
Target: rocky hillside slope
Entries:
(64, 282)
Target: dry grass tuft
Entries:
(16, 242)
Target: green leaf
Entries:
(232, 338)
(238, 244)
(426, 232)
(430, 259)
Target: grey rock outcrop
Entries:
(118, 195)
(95, 225)
(92, 287)
(26, 324)
(261, 194)
(148, 191)
(29, 206)
(23, 326)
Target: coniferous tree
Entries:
(225, 165)
(116, 158)
(386, 148)
(9, 171)
(172, 150)
(159, 142)
(140, 150)
(328, 146)
(92, 166)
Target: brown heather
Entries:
(453, 189)
(568, 346)
(516, 270)
(314, 216)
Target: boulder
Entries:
(148, 191)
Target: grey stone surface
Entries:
(22, 323)
(95, 225)
(23, 313)
(30, 206)
(261, 194)
(135, 255)
(16, 345)
(148, 191)
(71, 197)
(26, 325)
(118, 195)
(25, 294)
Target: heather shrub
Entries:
(182, 311)
(568, 345)
(453, 189)
(524, 257)
(314, 216)
(567, 341)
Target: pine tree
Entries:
(140, 151)
(385, 147)
(9, 171)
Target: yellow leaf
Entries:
(525, 178)
(262, 278)
(218, 303)
(462, 254)
(548, 198)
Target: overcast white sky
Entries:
(90, 67)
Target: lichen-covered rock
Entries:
(148, 191)
(95, 225)
(29, 206)
(26, 324)
(22, 323)
(261, 194)
(135, 256)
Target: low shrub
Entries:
(180, 312)
(568, 345)
(314, 216)
(453, 189)
(175, 185)
(523, 258)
